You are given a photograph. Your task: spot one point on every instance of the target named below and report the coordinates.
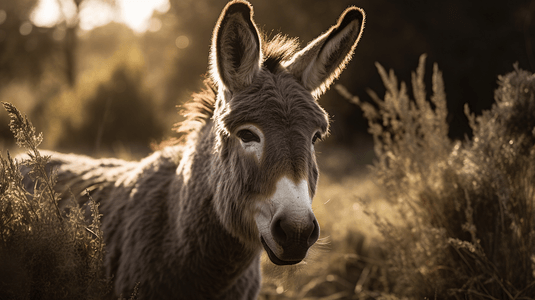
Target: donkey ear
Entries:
(236, 51)
(323, 59)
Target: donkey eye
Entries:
(248, 136)
(316, 137)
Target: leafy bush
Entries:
(466, 227)
(44, 253)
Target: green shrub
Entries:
(44, 253)
(466, 227)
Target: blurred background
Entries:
(104, 77)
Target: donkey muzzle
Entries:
(294, 237)
(286, 222)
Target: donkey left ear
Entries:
(323, 59)
(236, 51)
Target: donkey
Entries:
(190, 220)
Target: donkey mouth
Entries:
(274, 259)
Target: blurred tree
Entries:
(109, 107)
(69, 46)
(23, 48)
(195, 21)
(70, 41)
(119, 111)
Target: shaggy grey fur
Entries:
(180, 223)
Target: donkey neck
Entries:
(206, 249)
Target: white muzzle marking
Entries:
(292, 199)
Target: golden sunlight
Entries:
(136, 14)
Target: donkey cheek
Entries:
(235, 217)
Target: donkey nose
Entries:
(287, 231)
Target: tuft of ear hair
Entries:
(323, 59)
(236, 52)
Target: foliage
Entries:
(44, 252)
(467, 221)
(109, 105)
(23, 56)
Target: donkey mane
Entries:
(278, 49)
(201, 107)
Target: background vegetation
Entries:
(446, 210)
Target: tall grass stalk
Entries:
(45, 253)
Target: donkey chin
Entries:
(286, 223)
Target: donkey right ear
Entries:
(236, 52)
(323, 59)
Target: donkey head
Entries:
(267, 120)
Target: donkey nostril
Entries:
(278, 231)
(284, 232)
(314, 234)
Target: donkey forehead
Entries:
(276, 101)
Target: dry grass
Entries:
(468, 223)
(44, 253)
